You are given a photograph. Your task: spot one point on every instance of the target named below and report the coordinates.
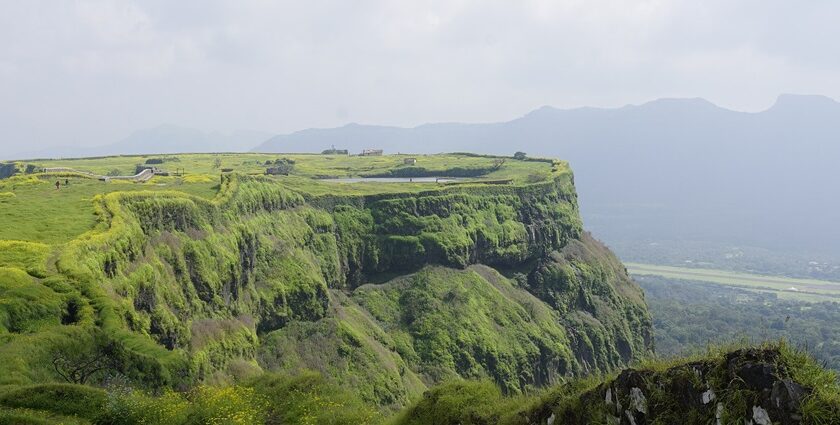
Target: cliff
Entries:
(385, 293)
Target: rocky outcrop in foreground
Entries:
(749, 386)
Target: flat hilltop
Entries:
(36, 211)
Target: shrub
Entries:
(456, 403)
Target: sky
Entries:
(88, 73)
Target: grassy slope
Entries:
(40, 213)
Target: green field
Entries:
(785, 287)
(38, 212)
(306, 165)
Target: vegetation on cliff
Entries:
(248, 298)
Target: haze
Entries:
(89, 73)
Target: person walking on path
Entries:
(57, 185)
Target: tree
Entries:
(217, 163)
(498, 162)
(519, 155)
(282, 166)
(82, 357)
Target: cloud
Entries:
(91, 71)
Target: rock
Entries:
(718, 413)
(630, 418)
(550, 420)
(754, 367)
(786, 395)
(756, 376)
(638, 402)
(708, 396)
(760, 416)
(608, 396)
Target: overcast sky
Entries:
(86, 73)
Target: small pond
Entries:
(391, 180)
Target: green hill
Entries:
(214, 293)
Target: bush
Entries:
(456, 403)
(520, 155)
(282, 166)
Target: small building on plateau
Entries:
(410, 161)
(372, 152)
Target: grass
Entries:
(307, 165)
(33, 210)
(40, 213)
(811, 290)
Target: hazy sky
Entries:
(88, 73)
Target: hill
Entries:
(671, 169)
(385, 287)
(300, 289)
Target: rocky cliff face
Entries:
(386, 294)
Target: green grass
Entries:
(806, 289)
(40, 213)
(307, 165)
(31, 209)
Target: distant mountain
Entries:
(676, 169)
(165, 138)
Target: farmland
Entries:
(785, 287)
